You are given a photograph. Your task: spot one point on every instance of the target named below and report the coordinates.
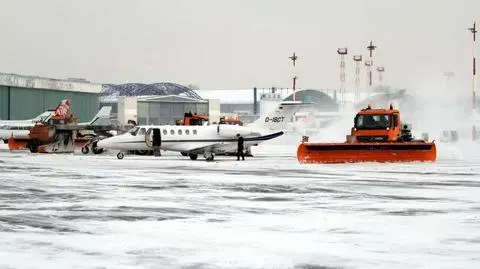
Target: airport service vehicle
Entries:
(9, 128)
(378, 135)
(61, 132)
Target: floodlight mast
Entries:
(368, 64)
(380, 70)
(294, 59)
(474, 31)
(370, 48)
(342, 52)
(358, 60)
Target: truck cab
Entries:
(377, 125)
(192, 119)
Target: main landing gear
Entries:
(208, 157)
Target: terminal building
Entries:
(25, 97)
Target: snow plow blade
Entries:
(17, 143)
(366, 152)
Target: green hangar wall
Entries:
(20, 100)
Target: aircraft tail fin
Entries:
(279, 117)
(102, 118)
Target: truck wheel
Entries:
(85, 150)
(193, 157)
(120, 155)
(33, 146)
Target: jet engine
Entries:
(232, 130)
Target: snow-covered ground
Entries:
(94, 211)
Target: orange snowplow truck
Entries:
(378, 135)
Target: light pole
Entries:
(448, 75)
(380, 70)
(342, 52)
(368, 64)
(370, 48)
(473, 30)
(358, 60)
(294, 59)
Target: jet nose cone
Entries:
(103, 143)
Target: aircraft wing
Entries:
(213, 147)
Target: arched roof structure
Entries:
(322, 101)
(139, 89)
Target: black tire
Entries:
(193, 157)
(33, 146)
(5, 141)
(185, 154)
(85, 150)
(95, 148)
(120, 155)
(141, 152)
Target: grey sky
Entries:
(221, 44)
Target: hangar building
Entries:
(24, 97)
(158, 103)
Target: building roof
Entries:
(239, 96)
(399, 98)
(140, 89)
(322, 100)
(34, 82)
(169, 99)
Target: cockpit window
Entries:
(379, 122)
(134, 130)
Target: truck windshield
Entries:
(379, 122)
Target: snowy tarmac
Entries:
(94, 211)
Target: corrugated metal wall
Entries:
(166, 112)
(27, 103)
(4, 102)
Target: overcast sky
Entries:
(222, 44)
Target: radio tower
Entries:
(294, 59)
(342, 52)
(370, 48)
(380, 70)
(358, 60)
(473, 30)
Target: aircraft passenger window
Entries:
(164, 132)
(187, 132)
(141, 131)
(180, 132)
(172, 132)
(194, 132)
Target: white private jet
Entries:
(206, 139)
(21, 128)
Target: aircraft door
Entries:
(153, 137)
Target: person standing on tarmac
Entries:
(240, 148)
